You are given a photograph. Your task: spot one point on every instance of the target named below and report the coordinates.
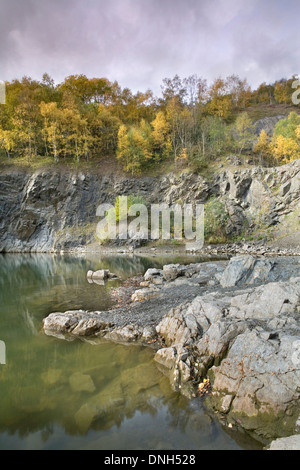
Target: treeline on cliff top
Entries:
(192, 122)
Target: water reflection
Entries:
(60, 395)
(60, 281)
(87, 390)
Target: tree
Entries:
(286, 149)
(75, 134)
(99, 91)
(239, 90)
(173, 118)
(134, 147)
(77, 87)
(264, 94)
(263, 144)
(286, 145)
(287, 127)
(161, 141)
(179, 118)
(282, 92)
(25, 118)
(52, 130)
(173, 88)
(103, 128)
(139, 107)
(220, 102)
(65, 131)
(7, 141)
(123, 152)
(195, 91)
(218, 136)
(263, 147)
(25, 123)
(48, 92)
(244, 131)
(83, 117)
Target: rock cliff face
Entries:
(56, 210)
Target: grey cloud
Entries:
(139, 42)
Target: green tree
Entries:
(244, 132)
(286, 144)
(216, 219)
(287, 127)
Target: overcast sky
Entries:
(140, 42)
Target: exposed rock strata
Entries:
(56, 210)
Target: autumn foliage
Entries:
(191, 123)
(285, 143)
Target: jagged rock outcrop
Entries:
(268, 124)
(54, 209)
(241, 332)
(246, 341)
(246, 270)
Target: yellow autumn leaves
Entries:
(285, 144)
(204, 388)
(143, 143)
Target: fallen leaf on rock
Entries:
(204, 388)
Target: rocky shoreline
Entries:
(233, 325)
(260, 248)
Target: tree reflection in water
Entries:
(58, 394)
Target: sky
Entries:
(141, 42)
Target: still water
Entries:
(56, 394)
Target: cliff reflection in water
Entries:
(60, 281)
(55, 394)
(58, 394)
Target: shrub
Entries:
(215, 221)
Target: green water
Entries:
(86, 395)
